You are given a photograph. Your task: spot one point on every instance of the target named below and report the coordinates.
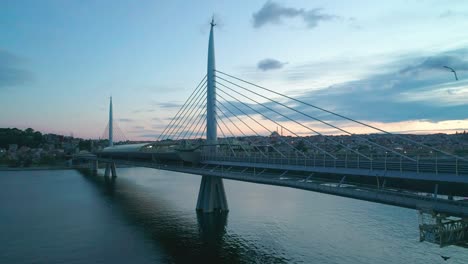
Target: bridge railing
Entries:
(426, 165)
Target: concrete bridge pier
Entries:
(110, 170)
(94, 165)
(211, 196)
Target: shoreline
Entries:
(61, 167)
(37, 168)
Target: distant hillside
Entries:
(28, 137)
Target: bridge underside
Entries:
(374, 189)
(429, 182)
(440, 183)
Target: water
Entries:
(148, 216)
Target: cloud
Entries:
(153, 136)
(436, 63)
(125, 120)
(10, 72)
(446, 94)
(274, 13)
(421, 89)
(143, 111)
(453, 14)
(161, 126)
(447, 13)
(270, 64)
(167, 104)
(408, 88)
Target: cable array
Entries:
(189, 120)
(273, 107)
(246, 121)
(119, 135)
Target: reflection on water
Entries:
(212, 227)
(181, 239)
(148, 216)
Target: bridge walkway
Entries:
(379, 194)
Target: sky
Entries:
(380, 62)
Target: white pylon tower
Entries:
(211, 196)
(110, 167)
(111, 125)
(211, 127)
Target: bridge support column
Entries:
(211, 196)
(94, 165)
(110, 170)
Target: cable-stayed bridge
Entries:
(235, 129)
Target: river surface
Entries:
(148, 216)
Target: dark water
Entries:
(148, 216)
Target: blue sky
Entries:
(378, 61)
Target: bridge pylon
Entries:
(211, 196)
(110, 167)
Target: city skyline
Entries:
(60, 62)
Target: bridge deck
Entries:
(395, 197)
(412, 175)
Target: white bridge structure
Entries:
(219, 133)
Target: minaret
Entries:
(211, 126)
(111, 125)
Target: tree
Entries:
(301, 146)
(85, 145)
